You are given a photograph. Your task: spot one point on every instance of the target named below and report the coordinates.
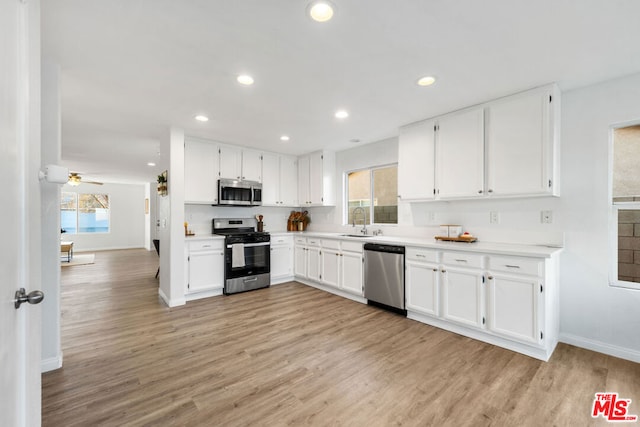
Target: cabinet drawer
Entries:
(349, 246)
(331, 244)
(206, 245)
(313, 241)
(301, 240)
(281, 240)
(420, 254)
(530, 266)
(462, 259)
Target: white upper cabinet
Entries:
(252, 165)
(279, 180)
(460, 155)
(521, 135)
(502, 148)
(316, 179)
(230, 162)
(416, 160)
(200, 172)
(239, 163)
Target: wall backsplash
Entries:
(199, 216)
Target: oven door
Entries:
(247, 259)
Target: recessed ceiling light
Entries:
(426, 81)
(284, 138)
(201, 118)
(151, 164)
(245, 79)
(342, 114)
(321, 11)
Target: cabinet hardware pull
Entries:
(435, 269)
(206, 246)
(512, 266)
(490, 277)
(461, 260)
(420, 256)
(444, 271)
(479, 191)
(490, 191)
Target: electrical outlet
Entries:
(546, 217)
(494, 217)
(431, 216)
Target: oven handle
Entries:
(251, 245)
(253, 279)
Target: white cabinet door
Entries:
(352, 273)
(513, 307)
(316, 176)
(330, 265)
(206, 270)
(416, 161)
(230, 162)
(300, 261)
(463, 299)
(460, 155)
(313, 263)
(252, 165)
(303, 181)
(288, 181)
(200, 172)
(520, 142)
(422, 287)
(270, 179)
(281, 261)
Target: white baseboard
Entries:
(601, 347)
(51, 364)
(171, 303)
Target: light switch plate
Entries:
(494, 217)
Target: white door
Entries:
(270, 180)
(252, 165)
(206, 270)
(20, 333)
(422, 287)
(513, 307)
(230, 162)
(300, 261)
(288, 181)
(280, 261)
(200, 172)
(463, 300)
(316, 177)
(460, 155)
(416, 161)
(313, 263)
(303, 181)
(352, 273)
(330, 265)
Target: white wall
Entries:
(199, 216)
(127, 218)
(593, 314)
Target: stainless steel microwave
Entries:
(234, 192)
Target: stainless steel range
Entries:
(246, 255)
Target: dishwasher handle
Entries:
(376, 247)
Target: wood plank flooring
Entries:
(293, 355)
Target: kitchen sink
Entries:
(357, 235)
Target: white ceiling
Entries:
(131, 69)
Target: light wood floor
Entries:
(294, 355)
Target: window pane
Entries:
(628, 239)
(626, 154)
(359, 197)
(68, 213)
(385, 192)
(93, 213)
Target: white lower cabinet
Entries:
(463, 296)
(422, 281)
(281, 259)
(334, 264)
(205, 266)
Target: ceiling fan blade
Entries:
(92, 182)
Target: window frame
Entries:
(77, 213)
(345, 210)
(614, 208)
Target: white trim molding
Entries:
(601, 347)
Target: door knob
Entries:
(33, 297)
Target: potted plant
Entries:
(162, 184)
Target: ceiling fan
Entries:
(75, 179)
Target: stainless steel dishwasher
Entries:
(384, 276)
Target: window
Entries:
(84, 213)
(372, 193)
(626, 207)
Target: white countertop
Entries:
(537, 251)
(198, 237)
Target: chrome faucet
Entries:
(364, 218)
